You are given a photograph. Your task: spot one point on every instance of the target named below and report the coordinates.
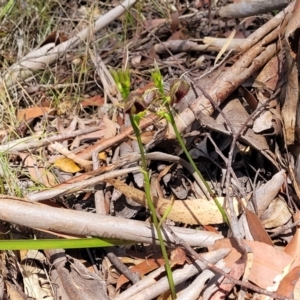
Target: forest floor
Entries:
(73, 178)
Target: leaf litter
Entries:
(69, 154)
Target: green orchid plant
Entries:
(136, 107)
(156, 100)
(177, 91)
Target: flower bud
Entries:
(178, 89)
(134, 104)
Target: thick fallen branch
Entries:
(248, 8)
(36, 215)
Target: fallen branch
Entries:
(36, 215)
(31, 142)
(251, 8)
(42, 57)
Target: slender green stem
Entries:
(151, 206)
(183, 147)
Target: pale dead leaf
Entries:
(225, 46)
(110, 127)
(60, 126)
(66, 165)
(277, 214)
(267, 192)
(37, 173)
(12, 291)
(197, 211)
(136, 60)
(34, 277)
(263, 122)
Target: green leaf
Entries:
(60, 243)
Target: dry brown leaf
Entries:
(150, 24)
(32, 112)
(175, 21)
(143, 268)
(251, 100)
(288, 283)
(150, 85)
(197, 211)
(56, 37)
(146, 137)
(181, 34)
(272, 75)
(268, 263)
(178, 257)
(293, 247)
(210, 228)
(66, 165)
(237, 270)
(256, 228)
(93, 101)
